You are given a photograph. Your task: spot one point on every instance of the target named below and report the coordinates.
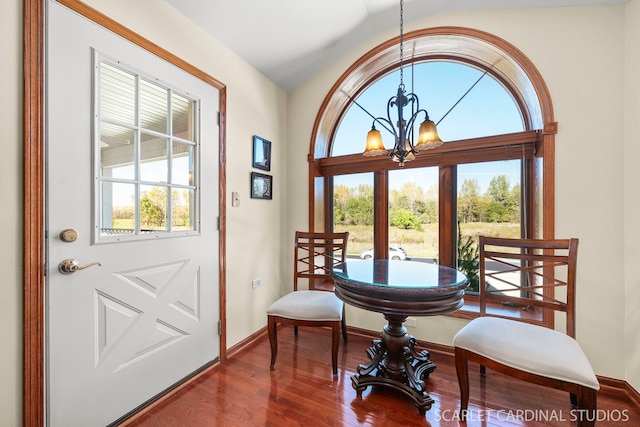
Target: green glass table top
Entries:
(400, 274)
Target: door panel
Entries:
(121, 332)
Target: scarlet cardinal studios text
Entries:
(534, 415)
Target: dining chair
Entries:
(314, 256)
(530, 276)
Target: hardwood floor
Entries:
(300, 392)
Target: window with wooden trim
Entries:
(490, 177)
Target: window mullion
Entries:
(170, 161)
(381, 214)
(137, 226)
(329, 204)
(447, 216)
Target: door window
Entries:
(147, 145)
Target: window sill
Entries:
(471, 310)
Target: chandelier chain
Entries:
(401, 42)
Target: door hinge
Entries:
(219, 327)
(219, 118)
(218, 223)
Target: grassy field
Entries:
(418, 244)
(422, 244)
(128, 224)
(123, 223)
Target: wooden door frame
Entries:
(34, 373)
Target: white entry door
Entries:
(132, 184)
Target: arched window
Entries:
(465, 102)
(492, 176)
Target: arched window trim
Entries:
(476, 48)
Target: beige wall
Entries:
(580, 55)
(631, 193)
(11, 214)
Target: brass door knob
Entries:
(70, 266)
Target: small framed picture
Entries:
(261, 186)
(261, 153)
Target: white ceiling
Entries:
(290, 40)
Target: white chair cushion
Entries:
(530, 348)
(308, 305)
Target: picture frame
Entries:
(261, 186)
(261, 153)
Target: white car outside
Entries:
(395, 253)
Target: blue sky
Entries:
(487, 109)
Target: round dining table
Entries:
(398, 289)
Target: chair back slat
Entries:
(314, 256)
(530, 274)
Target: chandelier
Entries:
(405, 148)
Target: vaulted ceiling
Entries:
(290, 40)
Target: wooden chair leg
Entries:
(462, 371)
(344, 325)
(335, 344)
(273, 339)
(586, 407)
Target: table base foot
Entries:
(404, 374)
(421, 400)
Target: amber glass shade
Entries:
(374, 147)
(428, 137)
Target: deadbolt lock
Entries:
(69, 235)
